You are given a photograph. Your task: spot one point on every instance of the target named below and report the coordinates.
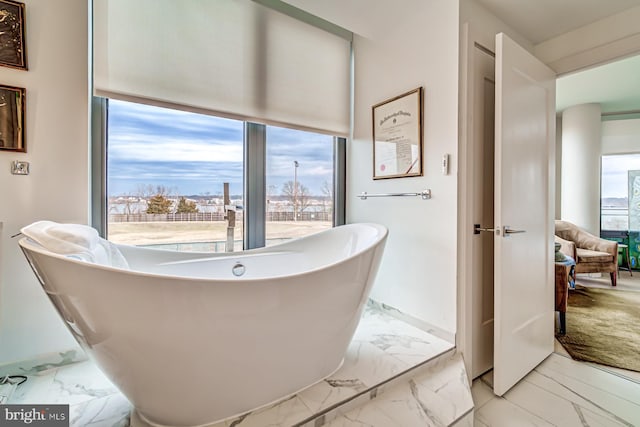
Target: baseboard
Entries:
(414, 321)
(43, 362)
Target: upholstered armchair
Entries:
(591, 253)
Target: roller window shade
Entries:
(232, 57)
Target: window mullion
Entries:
(339, 180)
(254, 185)
(99, 203)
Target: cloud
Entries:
(178, 150)
(183, 177)
(155, 134)
(195, 153)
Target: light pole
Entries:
(295, 190)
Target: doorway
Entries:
(506, 210)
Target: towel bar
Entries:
(424, 194)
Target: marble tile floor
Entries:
(436, 396)
(560, 392)
(384, 353)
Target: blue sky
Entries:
(193, 154)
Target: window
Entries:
(166, 174)
(615, 190)
(167, 170)
(299, 182)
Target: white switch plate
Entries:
(20, 168)
(445, 164)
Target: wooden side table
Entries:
(625, 255)
(563, 275)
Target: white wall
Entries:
(558, 210)
(58, 185)
(621, 136)
(486, 25)
(581, 148)
(417, 46)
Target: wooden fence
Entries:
(215, 216)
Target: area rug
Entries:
(603, 326)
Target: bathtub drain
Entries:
(238, 269)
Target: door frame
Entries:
(469, 37)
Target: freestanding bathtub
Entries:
(194, 338)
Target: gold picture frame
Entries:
(12, 35)
(12, 113)
(398, 136)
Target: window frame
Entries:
(602, 172)
(254, 176)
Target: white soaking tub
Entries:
(194, 338)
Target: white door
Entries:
(524, 180)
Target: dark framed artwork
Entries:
(397, 136)
(12, 112)
(12, 35)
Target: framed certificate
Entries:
(397, 136)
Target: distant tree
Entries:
(146, 191)
(131, 204)
(158, 204)
(300, 195)
(157, 198)
(271, 191)
(185, 206)
(327, 192)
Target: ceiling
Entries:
(540, 20)
(615, 86)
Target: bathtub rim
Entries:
(383, 232)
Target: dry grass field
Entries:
(149, 233)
